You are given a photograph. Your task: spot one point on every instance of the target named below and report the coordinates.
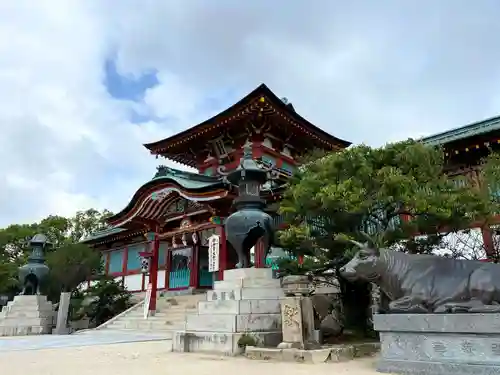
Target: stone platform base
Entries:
(440, 344)
(220, 343)
(423, 368)
(337, 353)
(246, 302)
(27, 315)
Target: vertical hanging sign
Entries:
(213, 253)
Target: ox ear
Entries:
(373, 249)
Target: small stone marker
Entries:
(62, 315)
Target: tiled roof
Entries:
(103, 233)
(476, 128)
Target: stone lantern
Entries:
(33, 274)
(249, 223)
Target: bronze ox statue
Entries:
(427, 283)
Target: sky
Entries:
(84, 83)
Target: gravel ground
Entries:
(153, 357)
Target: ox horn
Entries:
(359, 244)
(368, 238)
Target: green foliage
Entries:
(292, 267)
(77, 306)
(105, 299)
(247, 340)
(70, 265)
(8, 278)
(84, 223)
(490, 168)
(369, 189)
(69, 260)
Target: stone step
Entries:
(245, 294)
(21, 307)
(247, 283)
(25, 330)
(27, 314)
(160, 318)
(248, 273)
(145, 325)
(232, 323)
(167, 334)
(270, 306)
(170, 315)
(11, 322)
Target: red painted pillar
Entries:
(193, 277)
(260, 258)
(167, 268)
(301, 259)
(125, 261)
(153, 272)
(222, 251)
(106, 265)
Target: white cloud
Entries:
(365, 73)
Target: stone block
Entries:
(338, 353)
(264, 354)
(247, 283)
(211, 323)
(288, 355)
(306, 356)
(245, 293)
(439, 343)
(248, 273)
(233, 323)
(217, 342)
(297, 314)
(271, 306)
(446, 323)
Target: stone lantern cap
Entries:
(247, 170)
(39, 240)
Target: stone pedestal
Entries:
(246, 303)
(27, 315)
(297, 317)
(441, 344)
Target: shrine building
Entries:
(172, 218)
(465, 147)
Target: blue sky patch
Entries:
(127, 87)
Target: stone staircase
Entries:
(27, 315)
(170, 316)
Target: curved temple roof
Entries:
(152, 198)
(242, 108)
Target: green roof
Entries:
(187, 180)
(467, 131)
(103, 233)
